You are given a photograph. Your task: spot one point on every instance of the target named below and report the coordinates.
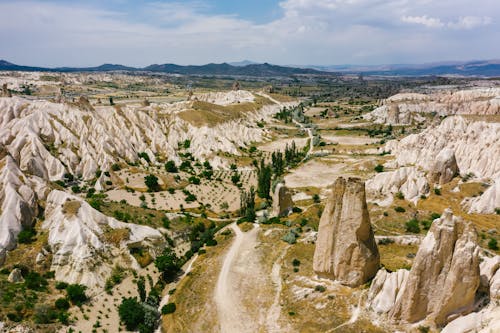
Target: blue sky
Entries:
(321, 32)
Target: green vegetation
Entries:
(168, 308)
(151, 182)
(379, 168)
(493, 244)
(171, 167)
(412, 226)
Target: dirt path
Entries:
(235, 278)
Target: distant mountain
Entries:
(259, 70)
(243, 63)
(488, 68)
(485, 68)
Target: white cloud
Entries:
(429, 22)
(320, 31)
(470, 22)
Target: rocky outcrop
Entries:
(19, 205)
(411, 106)
(15, 276)
(487, 202)
(445, 167)
(282, 201)
(442, 282)
(346, 250)
(410, 181)
(490, 277)
(87, 244)
(5, 91)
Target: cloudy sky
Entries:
(320, 32)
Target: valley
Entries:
(150, 202)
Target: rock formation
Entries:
(410, 181)
(236, 86)
(411, 106)
(445, 167)
(85, 243)
(442, 282)
(346, 249)
(5, 91)
(84, 104)
(282, 200)
(15, 276)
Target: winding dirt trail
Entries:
(238, 278)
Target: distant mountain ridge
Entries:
(489, 68)
(478, 68)
(208, 69)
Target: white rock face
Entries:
(15, 276)
(408, 180)
(227, 98)
(487, 202)
(476, 149)
(445, 167)
(19, 204)
(442, 282)
(346, 250)
(48, 139)
(410, 106)
(78, 240)
(476, 145)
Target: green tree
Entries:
(131, 313)
(76, 293)
(151, 182)
(168, 264)
(141, 288)
(171, 167)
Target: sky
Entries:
(299, 32)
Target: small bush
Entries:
(35, 281)
(131, 313)
(76, 293)
(316, 198)
(399, 209)
(61, 285)
(296, 210)
(26, 236)
(437, 191)
(62, 304)
(320, 288)
(400, 196)
(426, 224)
(168, 308)
(385, 241)
(115, 167)
(412, 226)
(493, 244)
(435, 216)
(296, 262)
(379, 168)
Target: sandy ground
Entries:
(103, 308)
(280, 144)
(349, 140)
(244, 286)
(315, 173)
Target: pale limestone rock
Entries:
(282, 201)
(385, 288)
(77, 237)
(346, 249)
(410, 181)
(393, 114)
(485, 203)
(445, 167)
(15, 276)
(443, 280)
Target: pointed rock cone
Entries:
(346, 250)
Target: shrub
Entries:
(44, 314)
(437, 191)
(290, 237)
(26, 236)
(399, 209)
(379, 168)
(400, 196)
(316, 198)
(168, 308)
(435, 216)
(320, 288)
(497, 211)
(296, 210)
(385, 241)
(115, 167)
(412, 226)
(171, 167)
(493, 244)
(76, 293)
(151, 182)
(131, 313)
(296, 262)
(194, 180)
(426, 224)
(60, 285)
(168, 263)
(62, 304)
(34, 281)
